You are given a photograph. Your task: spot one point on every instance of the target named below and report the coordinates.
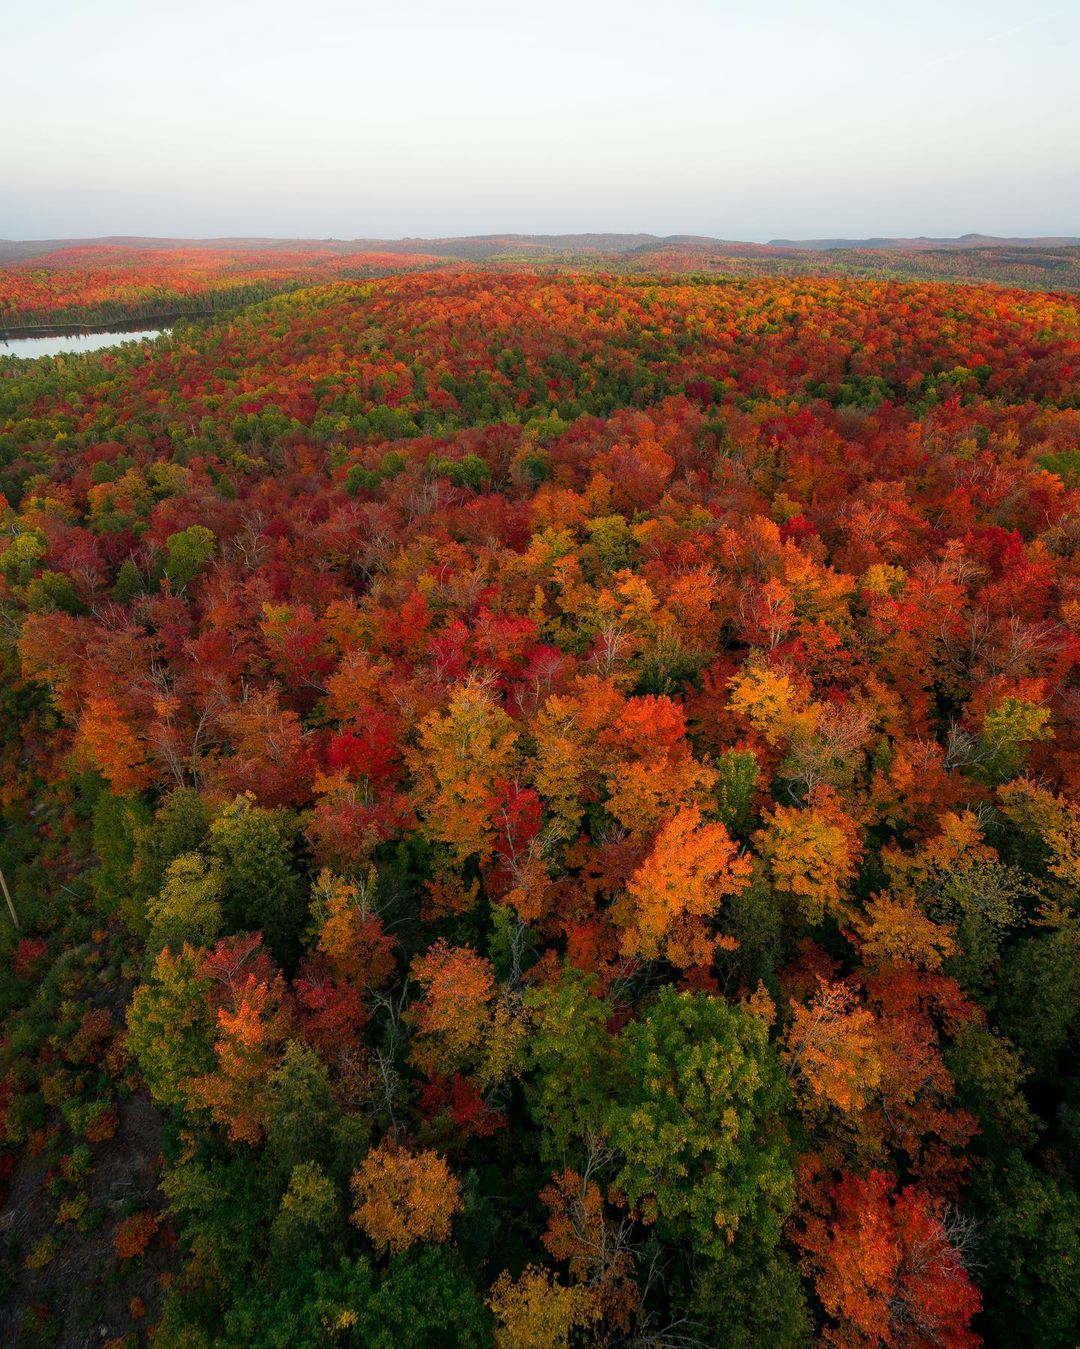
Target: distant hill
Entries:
(924, 243)
(478, 247)
(1049, 264)
(471, 247)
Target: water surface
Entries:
(56, 344)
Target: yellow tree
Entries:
(778, 708)
(812, 854)
(351, 933)
(463, 753)
(894, 933)
(957, 845)
(535, 1311)
(1052, 824)
(404, 1197)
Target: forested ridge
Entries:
(97, 283)
(544, 811)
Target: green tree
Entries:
(171, 1026)
(302, 1112)
(310, 1208)
(982, 901)
(754, 1292)
(129, 582)
(736, 780)
(755, 918)
(1030, 1251)
(53, 590)
(989, 1074)
(567, 1060)
(1037, 1005)
(425, 1300)
(188, 907)
(695, 1116)
(19, 560)
(261, 888)
(181, 825)
(1008, 730)
(186, 553)
(225, 1206)
(118, 824)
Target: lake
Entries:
(59, 343)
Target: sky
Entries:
(428, 118)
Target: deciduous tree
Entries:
(403, 1197)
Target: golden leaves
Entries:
(404, 1197)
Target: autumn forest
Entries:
(540, 801)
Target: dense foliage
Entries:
(110, 283)
(565, 795)
(95, 284)
(1038, 266)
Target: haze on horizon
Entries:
(794, 118)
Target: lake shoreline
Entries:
(79, 341)
(89, 329)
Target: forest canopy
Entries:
(544, 810)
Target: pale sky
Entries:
(749, 120)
